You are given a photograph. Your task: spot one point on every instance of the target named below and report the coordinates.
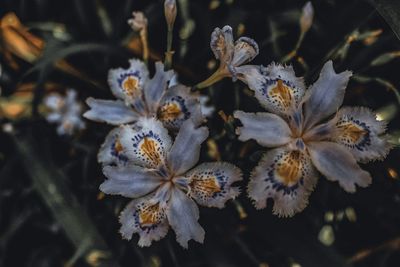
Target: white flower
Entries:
(163, 181)
(65, 111)
(139, 96)
(305, 137)
(231, 55)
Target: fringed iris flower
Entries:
(231, 55)
(308, 133)
(163, 181)
(65, 111)
(139, 96)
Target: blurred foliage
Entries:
(49, 46)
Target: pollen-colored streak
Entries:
(282, 92)
(221, 45)
(149, 215)
(149, 149)
(118, 146)
(130, 85)
(169, 112)
(208, 186)
(289, 170)
(352, 132)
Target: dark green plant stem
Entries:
(169, 53)
(49, 184)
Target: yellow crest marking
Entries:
(208, 185)
(149, 148)
(283, 92)
(150, 215)
(130, 85)
(169, 112)
(289, 168)
(118, 146)
(352, 132)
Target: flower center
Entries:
(169, 112)
(131, 85)
(352, 132)
(149, 148)
(150, 215)
(282, 93)
(205, 185)
(288, 168)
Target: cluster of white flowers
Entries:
(306, 128)
(142, 162)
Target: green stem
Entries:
(145, 44)
(169, 53)
(293, 53)
(215, 77)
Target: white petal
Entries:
(358, 130)
(246, 49)
(129, 181)
(326, 95)
(69, 124)
(210, 184)
(336, 163)
(222, 44)
(61, 130)
(206, 109)
(286, 176)
(127, 84)
(54, 101)
(54, 117)
(178, 105)
(155, 88)
(185, 151)
(146, 143)
(145, 217)
(113, 112)
(183, 215)
(111, 151)
(276, 87)
(71, 96)
(267, 129)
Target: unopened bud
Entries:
(170, 12)
(307, 17)
(138, 22)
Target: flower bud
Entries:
(138, 22)
(170, 12)
(307, 17)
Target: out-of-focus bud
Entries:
(170, 11)
(138, 22)
(307, 17)
(16, 40)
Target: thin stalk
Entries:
(169, 53)
(145, 44)
(215, 77)
(293, 53)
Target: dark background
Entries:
(32, 234)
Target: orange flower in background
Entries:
(17, 41)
